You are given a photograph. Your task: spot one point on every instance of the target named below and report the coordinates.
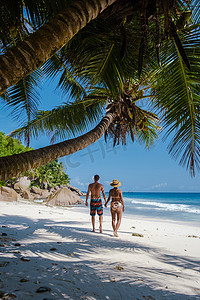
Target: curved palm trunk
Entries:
(34, 51)
(14, 165)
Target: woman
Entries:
(117, 204)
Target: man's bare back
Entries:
(96, 189)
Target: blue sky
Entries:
(137, 168)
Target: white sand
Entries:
(164, 264)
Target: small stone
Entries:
(193, 236)
(4, 234)
(43, 289)
(37, 282)
(17, 244)
(25, 259)
(119, 268)
(53, 249)
(4, 226)
(137, 234)
(23, 280)
(16, 251)
(59, 242)
(70, 254)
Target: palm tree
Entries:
(39, 45)
(122, 117)
(120, 70)
(14, 165)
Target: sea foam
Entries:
(168, 207)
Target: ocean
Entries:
(171, 206)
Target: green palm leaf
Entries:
(64, 121)
(95, 55)
(177, 96)
(23, 98)
(70, 83)
(13, 15)
(195, 11)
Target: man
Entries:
(96, 203)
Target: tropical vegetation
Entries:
(48, 176)
(10, 146)
(109, 56)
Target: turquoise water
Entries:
(174, 206)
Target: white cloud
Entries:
(77, 183)
(160, 185)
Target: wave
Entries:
(169, 207)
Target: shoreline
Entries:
(64, 255)
(154, 217)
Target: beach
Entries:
(51, 253)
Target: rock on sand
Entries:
(63, 197)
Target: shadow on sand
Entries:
(71, 267)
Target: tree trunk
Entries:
(34, 51)
(14, 165)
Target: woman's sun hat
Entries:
(115, 183)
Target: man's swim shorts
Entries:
(96, 205)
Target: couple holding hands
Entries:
(116, 207)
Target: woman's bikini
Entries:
(115, 204)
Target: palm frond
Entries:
(130, 119)
(196, 11)
(94, 54)
(23, 98)
(70, 82)
(178, 98)
(63, 121)
(149, 133)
